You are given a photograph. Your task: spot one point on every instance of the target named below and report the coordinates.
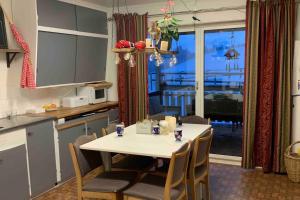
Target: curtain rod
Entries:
(237, 8)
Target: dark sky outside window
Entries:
(217, 43)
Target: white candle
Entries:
(149, 43)
(164, 45)
(171, 122)
(164, 127)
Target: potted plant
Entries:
(168, 27)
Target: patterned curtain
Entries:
(132, 81)
(270, 37)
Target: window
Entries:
(172, 88)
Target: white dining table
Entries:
(160, 146)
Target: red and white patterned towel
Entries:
(27, 76)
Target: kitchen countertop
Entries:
(68, 112)
(20, 121)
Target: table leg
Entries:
(107, 160)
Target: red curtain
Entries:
(270, 29)
(132, 81)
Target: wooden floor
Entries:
(227, 183)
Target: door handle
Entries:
(1, 161)
(196, 85)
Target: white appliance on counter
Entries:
(94, 94)
(76, 101)
(296, 94)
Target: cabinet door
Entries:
(41, 155)
(96, 126)
(91, 59)
(65, 137)
(56, 59)
(90, 20)
(13, 174)
(56, 14)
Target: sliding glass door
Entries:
(206, 79)
(222, 59)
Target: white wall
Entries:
(296, 100)
(14, 100)
(208, 17)
(298, 23)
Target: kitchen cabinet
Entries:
(65, 136)
(56, 59)
(56, 14)
(91, 59)
(52, 30)
(96, 125)
(13, 174)
(90, 20)
(41, 157)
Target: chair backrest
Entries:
(109, 129)
(200, 153)
(84, 161)
(176, 177)
(157, 117)
(106, 156)
(194, 119)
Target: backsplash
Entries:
(14, 100)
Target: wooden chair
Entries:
(157, 117)
(138, 164)
(156, 187)
(194, 119)
(198, 171)
(92, 182)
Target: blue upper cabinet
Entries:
(92, 21)
(53, 13)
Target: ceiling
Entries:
(109, 3)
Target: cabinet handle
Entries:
(29, 133)
(1, 161)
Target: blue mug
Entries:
(156, 130)
(178, 134)
(120, 129)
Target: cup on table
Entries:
(178, 134)
(120, 129)
(156, 130)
